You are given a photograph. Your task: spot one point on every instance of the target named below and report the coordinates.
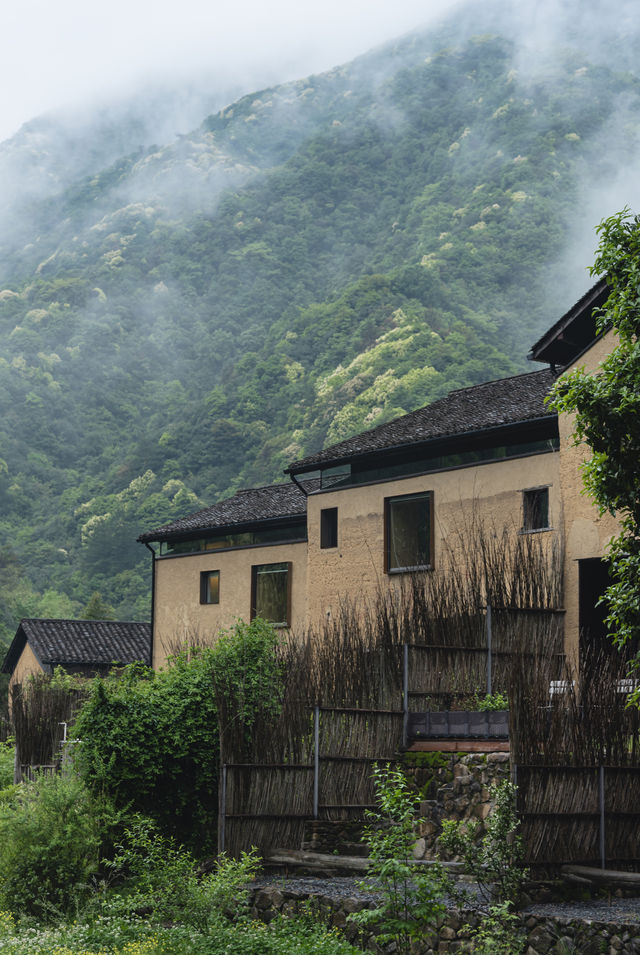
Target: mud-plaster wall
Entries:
(322, 578)
(355, 568)
(586, 533)
(27, 664)
(179, 614)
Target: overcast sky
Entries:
(72, 51)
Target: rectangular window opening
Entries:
(409, 532)
(328, 527)
(535, 509)
(210, 587)
(271, 593)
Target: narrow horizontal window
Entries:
(271, 593)
(328, 527)
(408, 532)
(210, 587)
(286, 533)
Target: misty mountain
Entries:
(183, 318)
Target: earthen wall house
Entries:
(359, 516)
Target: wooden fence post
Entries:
(602, 830)
(223, 811)
(405, 696)
(316, 761)
(489, 675)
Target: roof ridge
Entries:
(523, 392)
(141, 623)
(481, 384)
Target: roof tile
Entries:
(478, 408)
(82, 642)
(253, 505)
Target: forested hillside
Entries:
(185, 318)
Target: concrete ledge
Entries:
(459, 746)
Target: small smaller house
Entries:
(87, 647)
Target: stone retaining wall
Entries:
(544, 934)
(457, 790)
(454, 786)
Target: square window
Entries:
(409, 532)
(535, 509)
(271, 593)
(210, 587)
(328, 527)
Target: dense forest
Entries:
(178, 320)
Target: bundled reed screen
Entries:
(266, 806)
(352, 668)
(576, 746)
(37, 710)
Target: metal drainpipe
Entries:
(298, 484)
(153, 596)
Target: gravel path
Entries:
(337, 888)
(619, 911)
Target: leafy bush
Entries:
(51, 836)
(496, 861)
(150, 741)
(491, 702)
(127, 936)
(7, 759)
(411, 900)
(247, 677)
(499, 933)
(160, 879)
(496, 864)
(164, 908)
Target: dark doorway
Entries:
(593, 581)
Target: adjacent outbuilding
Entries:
(86, 647)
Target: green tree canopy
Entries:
(607, 408)
(98, 609)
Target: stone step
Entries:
(316, 863)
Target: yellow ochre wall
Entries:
(179, 614)
(586, 533)
(27, 664)
(490, 492)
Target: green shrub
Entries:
(129, 936)
(246, 668)
(150, 741)
(7, 760)
(490, 702)
(496, 860)
(51, 836)
(499, 933)
(160, 879)
(411, 900)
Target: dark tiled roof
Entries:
(250, 506)
(479, 408)
(575, 331)
(81, 642)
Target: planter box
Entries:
(459, 724)
(499, 724)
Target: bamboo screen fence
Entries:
(39, 713)
(294, 767)
(577, 764)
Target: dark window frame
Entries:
(205, 590)
(328, 528)
(389, 502)
(535, 509)
(255, 568)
